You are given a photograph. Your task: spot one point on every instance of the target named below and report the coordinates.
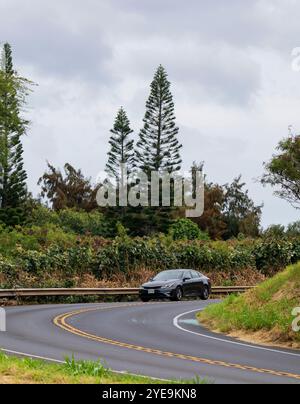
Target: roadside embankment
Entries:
(263, 315)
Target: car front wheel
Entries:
(178, 295)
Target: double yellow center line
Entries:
(61, 321)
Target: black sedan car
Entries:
(175, 285)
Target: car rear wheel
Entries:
(178, 295)
(205, 293)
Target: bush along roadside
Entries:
(49, 257)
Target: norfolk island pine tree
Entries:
(13, 190)
(158, 148)
(121, 153)
(121, 146)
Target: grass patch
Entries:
(266, 309)
(28, 371)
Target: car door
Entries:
(197, 283)
(188, 283)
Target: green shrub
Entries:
(7, 267)
(273, 255)
(83, 222)
(10, 238)
(80, 259)
(296, 250)
(72, 221)
(185, 229)
(48, 235)
(73, 260)
(42, 216)
(124, 255)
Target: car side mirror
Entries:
(186, 279)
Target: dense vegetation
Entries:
(266, 310)
(68, 248)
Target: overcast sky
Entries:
(229, 62)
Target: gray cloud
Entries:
(49, 41)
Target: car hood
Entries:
(157, 284)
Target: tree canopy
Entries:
(283, 170)
(68, 190)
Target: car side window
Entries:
(195, 275)
(188, 275)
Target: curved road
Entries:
(160, 340)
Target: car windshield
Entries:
(169, 276)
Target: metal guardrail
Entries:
(15, 293)
(230, 289)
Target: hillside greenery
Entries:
(264, 313)
(65, 248)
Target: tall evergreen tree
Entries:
(13, 91)
(121, 151)
(158, 148)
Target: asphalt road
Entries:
(160, 340)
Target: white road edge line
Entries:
(260, 348)
(118, 372)
(31, 356)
